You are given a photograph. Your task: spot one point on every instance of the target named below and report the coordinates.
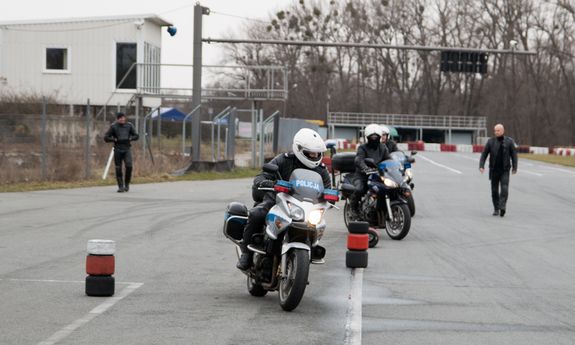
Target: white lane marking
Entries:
(466, 157)
(529, 172)
(562, 170)
(354, 305)
(98, 310)
(440, 165)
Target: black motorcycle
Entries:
(385, 204)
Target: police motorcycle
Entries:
(385, 204)
(290, 242)
(407, 172)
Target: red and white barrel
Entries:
(100, 267)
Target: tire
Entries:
(357, 242)
(346, 213)
(399, 227)
(292, 288)
(354, 259)
(411, 205)
(358, 228)
(255, 289)
(373, 237)
(100, 286)
(100, 265)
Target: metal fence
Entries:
(475, 123)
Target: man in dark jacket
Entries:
(374, 149)
(502, 157)
(308, 148)
(122, 133)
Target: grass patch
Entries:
(194, 176)
(554, 159)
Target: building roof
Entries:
(150, 17)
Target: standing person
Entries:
(122, 133)
(502, 157)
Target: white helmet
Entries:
(308, 141)
(372, 129)
(385, 130)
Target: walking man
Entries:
(122, 133)
(502, 158)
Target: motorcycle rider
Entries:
(122, 133)
(386, 139)
(373, 148)
(307, 152)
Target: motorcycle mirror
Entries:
(270, 168)
(413, 153)
(370, 162)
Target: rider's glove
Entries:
(368, 171)
(266, 184)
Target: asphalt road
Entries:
(461, 276)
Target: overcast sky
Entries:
(177, 49)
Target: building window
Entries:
(126, 55)
(57, 60)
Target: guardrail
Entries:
(408, 121)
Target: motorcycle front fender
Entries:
(286, 247)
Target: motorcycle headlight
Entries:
(315, 217)
(390, 183)
(296, 213)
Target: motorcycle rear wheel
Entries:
(292, 287)
(399, 226)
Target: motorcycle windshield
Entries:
(307, 185)
(398, 156)
(392, 170)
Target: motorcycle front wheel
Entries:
(411, 204)
(398, 227)
(292, 287)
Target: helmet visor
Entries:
(312, 156)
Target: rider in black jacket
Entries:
(374, 149)
(122, 133)
(308, 148)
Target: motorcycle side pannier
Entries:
(344, 162)
(236, 219)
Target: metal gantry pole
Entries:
(43, 138)
(87, 148)
(254, 134)
(262, 136)
(184, 128)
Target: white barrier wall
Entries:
(539, 150)
(402, 147)
(432, 147)
(464, 148)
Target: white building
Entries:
(80, 58)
